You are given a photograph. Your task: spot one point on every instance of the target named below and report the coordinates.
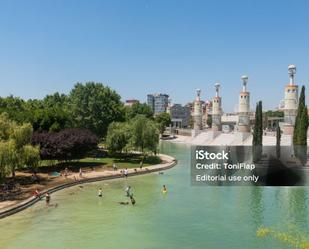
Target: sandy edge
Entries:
(169, 162)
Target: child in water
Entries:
(164, 190)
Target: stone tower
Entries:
(290, 102)
(244, 107)
(216, 110)
(197, 114)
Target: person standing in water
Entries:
(47, 198)
(129, 191)
(100, 192)
(164, 189)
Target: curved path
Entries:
(169, 162)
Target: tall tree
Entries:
(278, 141)
(15, 145)
(118, 136)
(145, 134)
(301, 122)
(257, 141)
(300, 129)
(31, 155)
(94, 106)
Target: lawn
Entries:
(131, 161)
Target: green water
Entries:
(186, 217)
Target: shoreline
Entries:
(167, 163)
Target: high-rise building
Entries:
(157, 102)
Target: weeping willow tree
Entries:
(16, 151)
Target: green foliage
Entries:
(301, 122)
(6, 126)
(117, 138)
(145, 134)
(21, 135)
(50, 119)
(15, 108)
(15, 149)
(31, 155)
(163, 120)
(258, 127)
(278, 141)
(4, 160)
(49, 114)
(257, 141)
(300, 129)
(138, 109)
(140, 134)
(94, 106)
(274, 114)
(209, 121)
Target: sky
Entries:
(138, 47)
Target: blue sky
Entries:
(140, 47)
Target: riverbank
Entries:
(57, 183)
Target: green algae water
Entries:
(186, 217)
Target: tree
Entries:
(145, 134)
(301, 122)
(209, 121)
(257, 141)
(300, 129)
(118, 136)
(274, 114)
(31, 155)
(138, 109)
(278, 141)
(50, 119)
(4, 160)
(15, 108)
(163, 120)
(94, 106)
(65, 145)
(15, 140)
(21, 137)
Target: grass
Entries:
(130, 161)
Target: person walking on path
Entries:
(115, 167)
